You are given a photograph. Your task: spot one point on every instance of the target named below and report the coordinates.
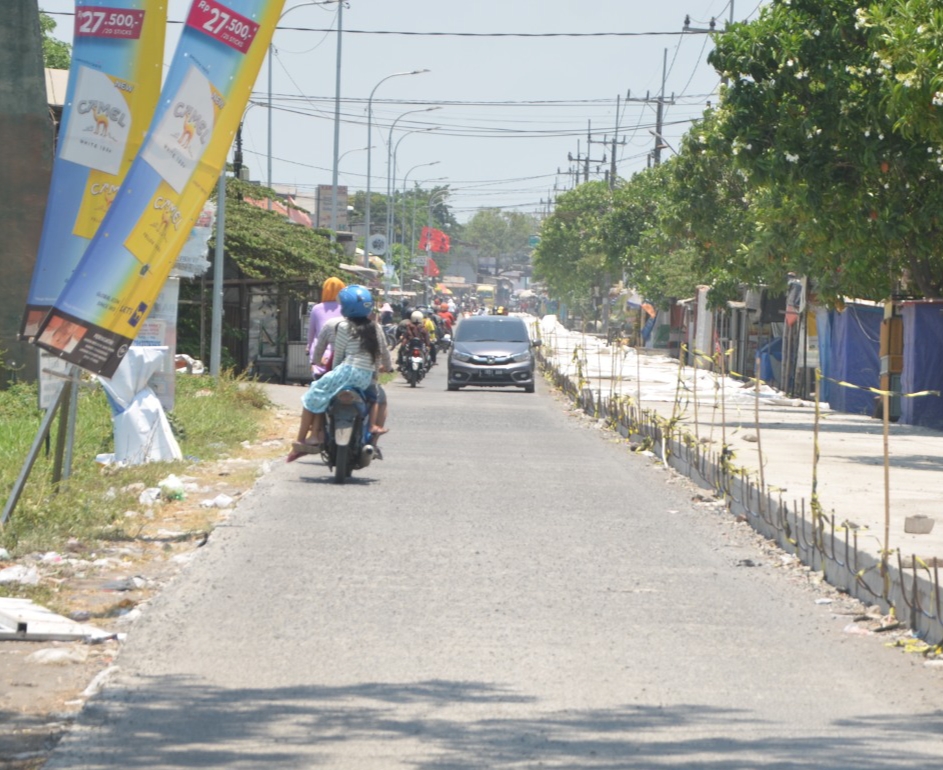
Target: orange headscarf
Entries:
(331, 288)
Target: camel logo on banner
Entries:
(160, 221)
(178, 143)
(98, 132)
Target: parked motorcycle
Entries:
(412, 361)
(348, 444)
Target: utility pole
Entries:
(585, 159)
(660, 114)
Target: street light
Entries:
(392, 185)
(271, 54)
(366, 233)
(337, 120)
(406, 175)
(412, 230)
(389, 162)
(432, 198)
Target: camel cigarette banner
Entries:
(113, 87)
(117, 281)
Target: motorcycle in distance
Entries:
(389, 330)
(444, 342)
(347, 444)
(412, 361)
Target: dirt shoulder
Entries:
(43, 685)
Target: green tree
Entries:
(806, 117)
(656, 262)
(573, 257)
(56, 53)
(501, 235)
(267, 246)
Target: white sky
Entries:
(512, 108)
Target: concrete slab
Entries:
(22, 620)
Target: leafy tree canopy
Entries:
(265, 245)
(501, 235)
(573, 256)
(806, 117)
(56, 53)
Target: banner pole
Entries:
(31, 457)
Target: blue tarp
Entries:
(770, 352)
(923, 363)
(853, 357)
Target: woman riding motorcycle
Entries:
(360, 351)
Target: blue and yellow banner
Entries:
(114, 83)
(114, 287)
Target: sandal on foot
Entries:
(292, 456)
(376, 430)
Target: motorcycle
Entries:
(412, 361)
(348, 442)
(389, 331)
(444, 342)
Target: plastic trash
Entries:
(27, 576)
(220, 501)
(149, 496)
(58, 656)
(172, 487)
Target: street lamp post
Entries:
(337, 164)
(390, 166)
(337, 120)
(412, 232)
(391, 215)
(271, 54)
(366, 233)
(433, 163)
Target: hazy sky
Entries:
(512, 108)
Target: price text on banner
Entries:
(98, 21)
(223, 24)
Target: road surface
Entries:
(509, 588)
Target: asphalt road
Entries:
(509, 588)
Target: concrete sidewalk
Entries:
(850, 476)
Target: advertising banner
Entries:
(116, 283)
(113, 88)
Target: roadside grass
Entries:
(211, 418)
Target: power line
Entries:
(413, 33)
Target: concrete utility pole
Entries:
(660, 114)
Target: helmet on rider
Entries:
(356, 301)
(501, 311)
(416, 317)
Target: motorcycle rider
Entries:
(433, 331)
(447, 318)
(415, 328)
(321, 313)
(360, 352)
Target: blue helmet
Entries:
(356, 301)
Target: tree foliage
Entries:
(265, 245)
(501, 235)
(806, 116)
(573, 257)
(56, 53)
(824, 156)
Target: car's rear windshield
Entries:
(491, 329)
